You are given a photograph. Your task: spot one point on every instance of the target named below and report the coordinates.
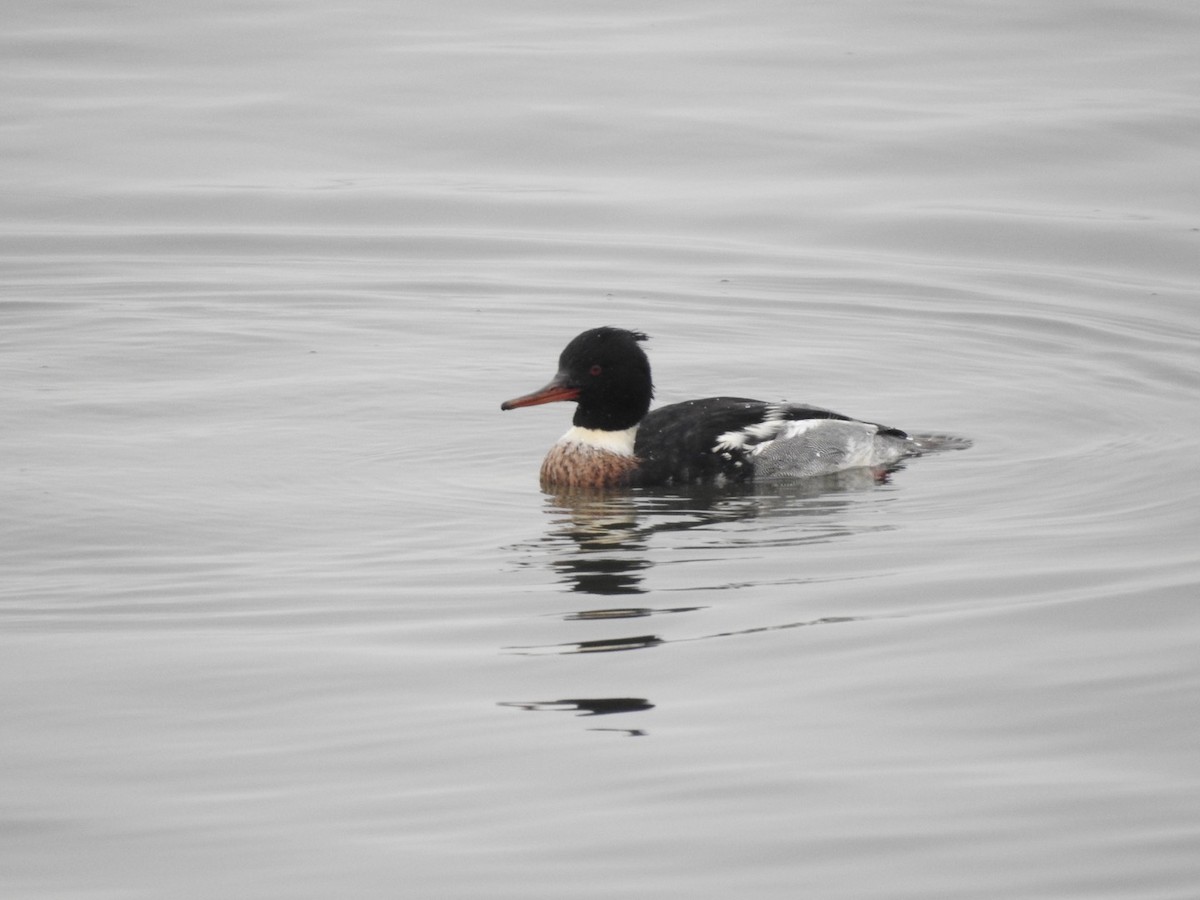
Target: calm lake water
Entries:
(283, 611)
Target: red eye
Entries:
(596, 370)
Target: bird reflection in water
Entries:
(591, 706)
(598, 544)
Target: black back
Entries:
(678, 443)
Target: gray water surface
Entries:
(283, 611)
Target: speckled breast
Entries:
(575, 465)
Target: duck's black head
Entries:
(606, 373)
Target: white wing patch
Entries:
(775, 426)
(803, 447)
(766, 430)
(795, 428)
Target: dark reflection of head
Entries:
(589, 706)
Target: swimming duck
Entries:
(616, 440)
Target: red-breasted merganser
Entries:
(617, 441)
